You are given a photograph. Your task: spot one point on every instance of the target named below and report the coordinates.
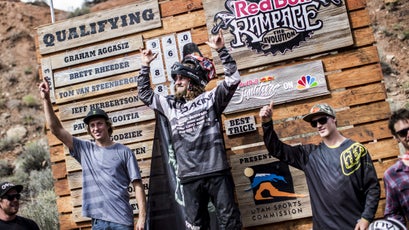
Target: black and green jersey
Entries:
(342, 181)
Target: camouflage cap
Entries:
(319, 109)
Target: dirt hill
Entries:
(21, 107)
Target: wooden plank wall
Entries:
(357, 93)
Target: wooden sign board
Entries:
(96, 71)
(281, 85)
(267, 31)
(99, 26)
(118, 118)
(268, 190)
(240, 125)
(98, 87)
(130, 134)
(96, 52)
(107, 103)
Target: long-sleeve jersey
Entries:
(196, 124)
(396, 180)
(342, 181)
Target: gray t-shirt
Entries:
(106, 174)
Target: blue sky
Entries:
(69, 5)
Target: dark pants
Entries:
(220, 191)
(98, 224)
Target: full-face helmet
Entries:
(196, 67)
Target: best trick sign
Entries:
(240, 125)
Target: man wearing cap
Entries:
(195, 121)
(108, 168)
(396, 177)
(9, 205)
(344, 189)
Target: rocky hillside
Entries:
(21, 119)
(21, 116)
(391, 29)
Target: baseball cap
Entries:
(386, 224)
(319, 109)
(96, 112)
(7, 186)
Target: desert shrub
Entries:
(6, 169)
(42, 209)
(405, 35)
(40, 181)
(30, 101)
(12, 79)
(79, 11)
(28, 120)
(20, 175)
(2, 103)
(7, 143)
(28, 71)
(34, 157)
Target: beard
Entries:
(180, 92)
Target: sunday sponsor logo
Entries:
(282, 85)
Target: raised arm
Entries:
(216, 42)
(296, 156)
(147, 56)
(52, 120)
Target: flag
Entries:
(165, 209)
(165, 199)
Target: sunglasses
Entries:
(322, 121)
(12, 197)
(403, 133)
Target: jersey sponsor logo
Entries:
(350, 158)
(197, 103)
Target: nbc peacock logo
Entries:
(306, 82)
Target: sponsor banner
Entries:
(267, 31)
(268, 190)
(281, 85)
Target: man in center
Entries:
(195, 119)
